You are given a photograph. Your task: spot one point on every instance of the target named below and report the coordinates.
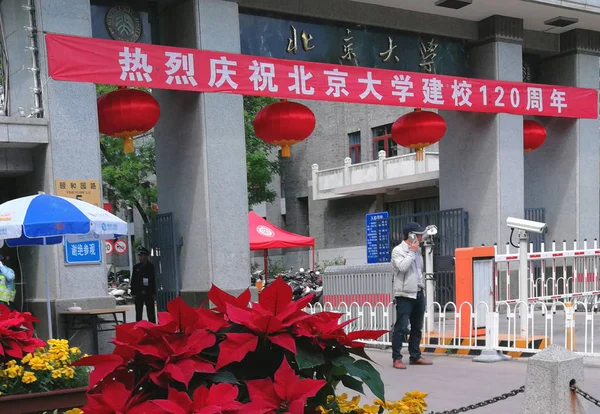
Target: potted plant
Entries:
(240, 357)
(37, 375)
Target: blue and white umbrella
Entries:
(45, 219)
(45, 216)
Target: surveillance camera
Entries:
(430, 231)
(526, 225)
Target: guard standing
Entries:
(143, 286)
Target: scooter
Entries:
(122, 294)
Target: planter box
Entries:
(43, 401)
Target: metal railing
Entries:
(536, 214)
(358, 284)
(555, 323)
(330, 183)
(554, 274)
(373, 284)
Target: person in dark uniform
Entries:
(143, 286)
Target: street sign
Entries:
(378, 237)
(109, 246)
(120, 246)
(84, 190)
(86, 252)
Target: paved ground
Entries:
(454, 381)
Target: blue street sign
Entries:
(85, 252)
(378, 237)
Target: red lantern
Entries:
(534, 135)
(284, 124)
(418, 129)
(125, 113)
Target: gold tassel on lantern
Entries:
(128, 147)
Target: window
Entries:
(382, 141)
(354, 141)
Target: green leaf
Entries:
(372, 378)
(364, 370)
(307, 357)
(360, 352)
(224, 377)
(353, 384)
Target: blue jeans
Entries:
(412, 310)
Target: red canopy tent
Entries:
(265, 236)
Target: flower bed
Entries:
(270, 357)
(37, 375)
(46, 369)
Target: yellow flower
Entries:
(343, 397)
(29, 377)
(369, 409)
(26, 359)
(323, 410)
(416, 394)
(385, 404)
(348, 406)
(56, 374)
(75, 411)
(75, 351)
(37, 364)
(11, 363)
(68, 372)
(14, 372)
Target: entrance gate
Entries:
(159, 236)
(453, 233)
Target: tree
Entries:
(260, 164)
(129, 178)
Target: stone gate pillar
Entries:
(481, 156)
(72, 153)
(201, 158)
(563, 174)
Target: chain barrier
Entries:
(483, 403)
(584, 394)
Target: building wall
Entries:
(335, 224)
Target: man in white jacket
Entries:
(409, 286)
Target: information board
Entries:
(378, 237)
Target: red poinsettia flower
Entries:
(325, 326)
(235, 347)
(117, 399)
(170, 349)
(273, 315)
(221, 299)
(218, 399)
(16, 333)
(286, 394)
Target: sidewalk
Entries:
(455, 381)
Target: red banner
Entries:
(81, 59)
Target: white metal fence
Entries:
(553, 274)
(548, 323)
